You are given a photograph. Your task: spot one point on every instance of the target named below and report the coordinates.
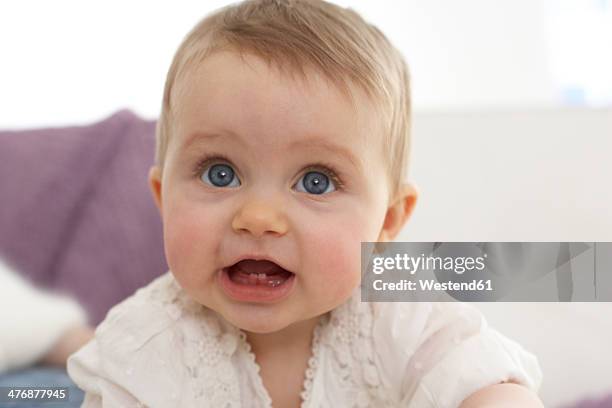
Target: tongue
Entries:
(251, 272)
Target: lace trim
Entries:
(206, 346)
(311, 370)
(313, 363)
(347, 335)
(354, 362)
(259, 381)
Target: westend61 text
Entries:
(433, 285)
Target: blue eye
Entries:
(315, 182)
(220, 175)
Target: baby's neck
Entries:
(283, 358)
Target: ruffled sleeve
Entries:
(127, 349)
(101, 390)
(444, 352)
(32, 319)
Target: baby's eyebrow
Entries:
(309, 142)
(325, 144)
(205, 136)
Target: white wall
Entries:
(70, 61)
(540, 175)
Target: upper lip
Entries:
(258, 257)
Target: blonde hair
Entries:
(335, 41)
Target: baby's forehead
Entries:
(253, 96)
(301, 76)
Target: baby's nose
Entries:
(259, 217)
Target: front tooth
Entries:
(261, 276)
(252, 278)
(274, 283)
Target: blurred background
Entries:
(474, 55)
(512, 132)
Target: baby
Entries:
(282, 145)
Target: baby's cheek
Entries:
(178, 241)
(336, 255)
(187, 241)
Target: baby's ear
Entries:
(155, 186)
(398, 212)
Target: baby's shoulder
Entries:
(404, 325)
(430, 344)
(155, 308)
(161, 334)
(418, 319)
(379, 343)
(400, 330)
(142, 337)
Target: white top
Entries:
(32, 319)
(159, 348)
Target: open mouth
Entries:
(257, 281)
(258, 273)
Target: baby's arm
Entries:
(501, 396)
(458, 361)
(102, 389)
(70, 341)
(37, 324)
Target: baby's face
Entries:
(264, 167)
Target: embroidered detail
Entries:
(313, 362)
(228, 343)
(211, 346)
(210, 375)
(267, 401)
(354, 364)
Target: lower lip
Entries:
(254, 293)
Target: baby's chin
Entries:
(267, 318)
(259, 328)
(258, 318)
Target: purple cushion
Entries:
(605, 402)
(76, 214)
